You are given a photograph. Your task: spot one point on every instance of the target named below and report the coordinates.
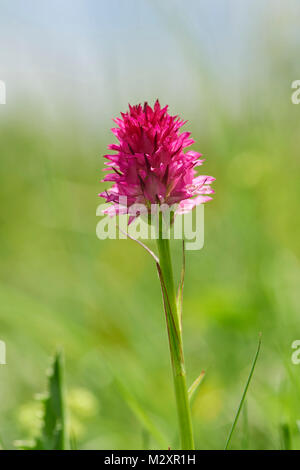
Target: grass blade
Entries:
(145, 439)
(286, 439)
(181, 284)
(146, 422)
(244, 394)
(195, 385)
(73, 441)
(245, 442)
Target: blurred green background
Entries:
(227, 67)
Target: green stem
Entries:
(176, 346)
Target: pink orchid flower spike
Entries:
(151, 166)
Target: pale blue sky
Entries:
(95, 52)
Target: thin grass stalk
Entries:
(175, 343)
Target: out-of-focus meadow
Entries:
(228, 69)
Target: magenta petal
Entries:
(150, 165)
(188, 204)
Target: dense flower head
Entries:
(150, 165)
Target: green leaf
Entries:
(244, 394)
(54, 434)
(195, 385)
